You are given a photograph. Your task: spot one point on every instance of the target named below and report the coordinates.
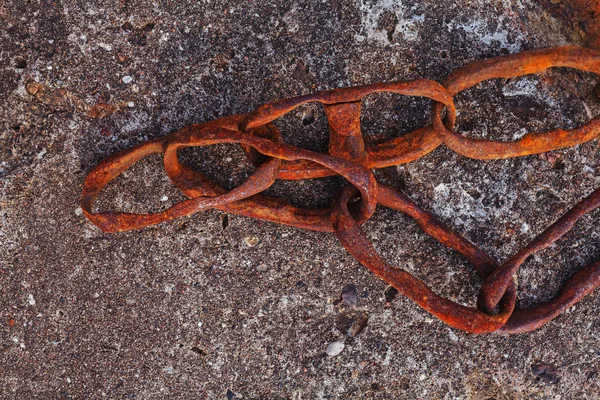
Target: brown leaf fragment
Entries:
(102, 110)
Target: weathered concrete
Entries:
(189, 309)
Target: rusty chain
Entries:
(349, 157)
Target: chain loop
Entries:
(350, 158)
(511, 66)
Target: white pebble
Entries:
(453, 336)
(169, 288)
(31, 300)
(164, 198)
(131, 104)
(105, 46)
(262, 267)
(335, 348)
(78, 211)
(251, 241)
(127, 79)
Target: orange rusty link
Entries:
(342, 108)
(493, 288)
(349, 157)
(514, 65)
(206, 194)
(468, 319)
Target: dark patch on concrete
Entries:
(8, 82)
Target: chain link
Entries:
(349, 157)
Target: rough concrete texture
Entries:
(217, 306)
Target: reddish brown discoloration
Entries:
(349, 157)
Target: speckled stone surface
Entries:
(224, 307)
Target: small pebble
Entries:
(349, 295)
(164, 198)
(127, 79)
(251, 241)
(262, 267)
(169, 287)
(335, 348)
(131, 104)
(31, 300)
(105, 46)
(546, 372)
(78, 211)
(359, 324)
(453, 336)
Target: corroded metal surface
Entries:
(349, 157)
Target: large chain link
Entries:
(349, 157)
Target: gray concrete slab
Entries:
(188, 309)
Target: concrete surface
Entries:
(189, 309)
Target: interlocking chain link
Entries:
(349, 157)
